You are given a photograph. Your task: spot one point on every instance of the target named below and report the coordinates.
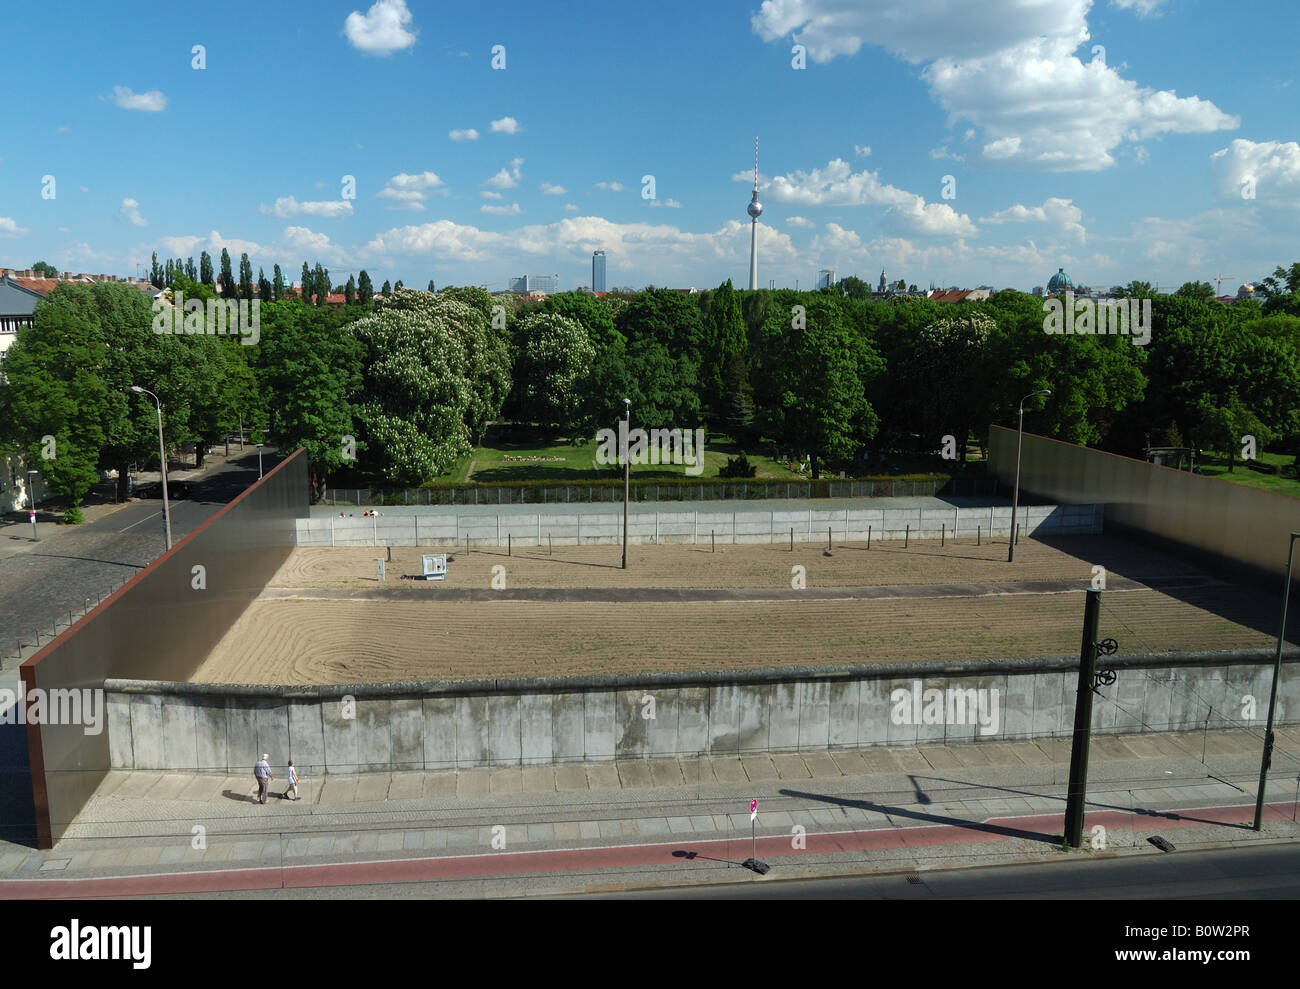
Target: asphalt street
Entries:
(49, 584)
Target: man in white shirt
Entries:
(262, 770)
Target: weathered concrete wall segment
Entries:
(223, 728)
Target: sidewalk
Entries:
(645, 823)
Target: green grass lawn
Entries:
(1216, 465)
(499, 460)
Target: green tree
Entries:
(320, 287)
(555, 361)
(387, 290)
(156, 272)
(245, 277)
(227, 276)
(431, 288)
(277, 284)
(44, 270)
(190, 271)
(1202, 291)
(310, 369)
(808, 370)
(53, 388)
(350, 291)
(724, 346)
(264, 289)
(205, 268)
(365, 290)
(419, 384)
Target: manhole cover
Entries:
(914, 880)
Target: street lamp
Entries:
(259, 461)
(1272, 698)
(627, 475)
(31, 493)
(1015, 496)
(162, 462)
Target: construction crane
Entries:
(1218, 282)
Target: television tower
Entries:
(755, 210)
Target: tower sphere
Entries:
(755, 208)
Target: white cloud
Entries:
(553, 190)
(1007, 66)
(508, 177)
(1271, 167)
(469, 134)
(287, 206)
(666, 203)
(151, 102)
(799, 221)
(506, 125)
(488, 194)
(862, 150)
(382, 30)
(610, 186)
(675, 254)
(942, 152)
(1143, 8)
(236, 247)
(305, 243)
(10, 228)
(410, 191)
(838, 185)
(180, 246)
(130, 211)
(1141, 155)
(570, 207)
(511, 210)
(1061, 214)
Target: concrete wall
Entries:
(1226, 527)
(446, 528)
(158, 625)
(221, 728)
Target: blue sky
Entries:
(943, 141)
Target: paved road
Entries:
(1265, 872)
(42, 582)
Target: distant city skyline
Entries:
(1005, 140)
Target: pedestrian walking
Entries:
(292, 788)
(262, 772)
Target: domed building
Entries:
(1060, 282)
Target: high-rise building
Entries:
(527, 284)
(598, 271)
(826, 278)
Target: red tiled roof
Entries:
(41, 286)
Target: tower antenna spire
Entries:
(755, 209)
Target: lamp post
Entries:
(162, 462)
(627, 474)
(1015, 496)
(1272, 697)
(259, 461)
(31, 493)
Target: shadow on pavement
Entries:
(928, 818)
